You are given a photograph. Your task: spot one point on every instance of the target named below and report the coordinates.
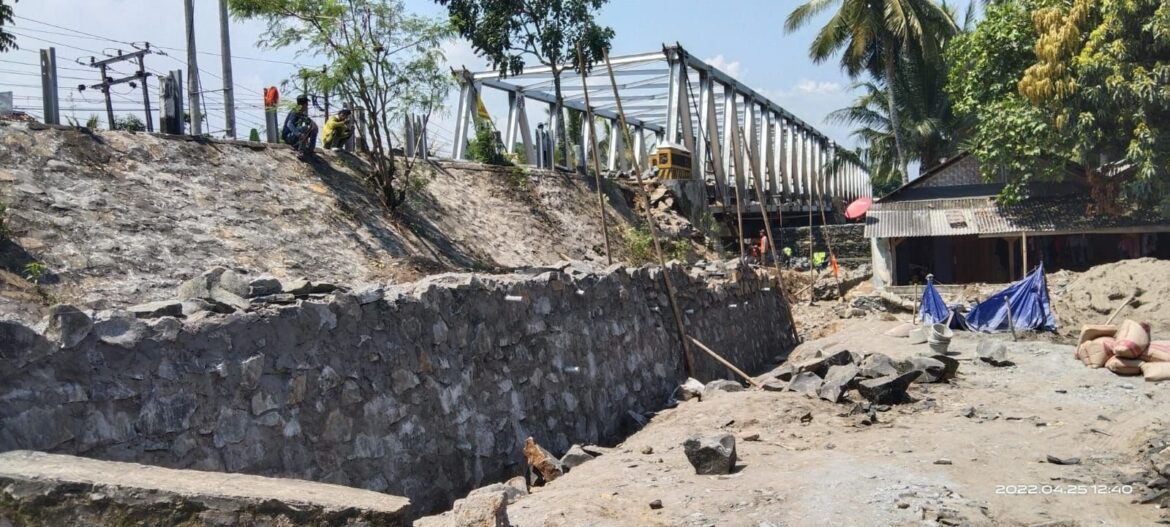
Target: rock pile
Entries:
(877, 378)
(221, 290)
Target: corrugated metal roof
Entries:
(982, 216)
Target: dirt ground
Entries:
(964, 453)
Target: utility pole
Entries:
(225, 44)
(140, 77)
(49, 86)
(192, 70)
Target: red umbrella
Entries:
(858, 207)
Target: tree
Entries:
(1072, 80)
(378, 56)
(506, 32)
(873, 36)
(7, 40)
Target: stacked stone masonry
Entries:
(424, 390)
(849, 241)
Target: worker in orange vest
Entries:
(763, 246)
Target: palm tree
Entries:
(873, 36)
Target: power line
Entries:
(75, 31)
(6, 61)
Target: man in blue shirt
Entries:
(299, 130)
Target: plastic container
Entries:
(939, 338)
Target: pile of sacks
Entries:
(1125, 350)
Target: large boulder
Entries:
(691, 389)
(993, 352)
(877, 365)
(575, 457)
(67, 325)
(890, 389)
(487, 507)
(821, 365)
(837, 381)
(714, 388)
(711, 455)
(933, 369)
(805, 382)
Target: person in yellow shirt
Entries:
(337, 130)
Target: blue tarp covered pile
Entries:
(1031, 308)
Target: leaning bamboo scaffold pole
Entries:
(759, 184)
(644, 197)
(596, 159)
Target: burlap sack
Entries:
(1092, 331)
(1095, 353)
(1122, 366)
(1156, 371)
(1159, 351)
(1132, 340)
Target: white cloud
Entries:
(733, 68)
(819, 87)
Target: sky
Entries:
(744, 38)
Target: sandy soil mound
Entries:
(1090, 297)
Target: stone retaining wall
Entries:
(849, 241)
(424, 390)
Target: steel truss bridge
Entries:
(733, 132)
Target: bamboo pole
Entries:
(596, 159)
(724, 362)
(829, 242)
(688, 362)
(771, 239)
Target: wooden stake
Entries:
(1117, 311)
(724, 362)
(596, 159)
(1011, 325)
(686, 349)
(829, 242)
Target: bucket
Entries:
(939, 337)
(917, 335)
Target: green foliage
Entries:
(882, 38)
(7, 40)
(377, 55)
(640, 246)
(93, 122)
(508, 32)
(1077, 80)
(130, 123)
(518, 180)
(254, 136)
(484, 148)
(35, 271)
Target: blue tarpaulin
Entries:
(1030, 306)
(933, 310)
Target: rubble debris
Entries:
(934, 369)
(942, 461)
(483, 508)
(878, 365)
(722, 385)
(711, 455)
(575, 457)
(993, 352)
(1062, 461)
(821, 365)
(67, 324)
(647, 450)
(542, 462)
(837, 381)
(691, 389)
(162, 308)
(890, 389)
(805, 382)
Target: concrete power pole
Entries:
(192, 70)
(225, 44)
